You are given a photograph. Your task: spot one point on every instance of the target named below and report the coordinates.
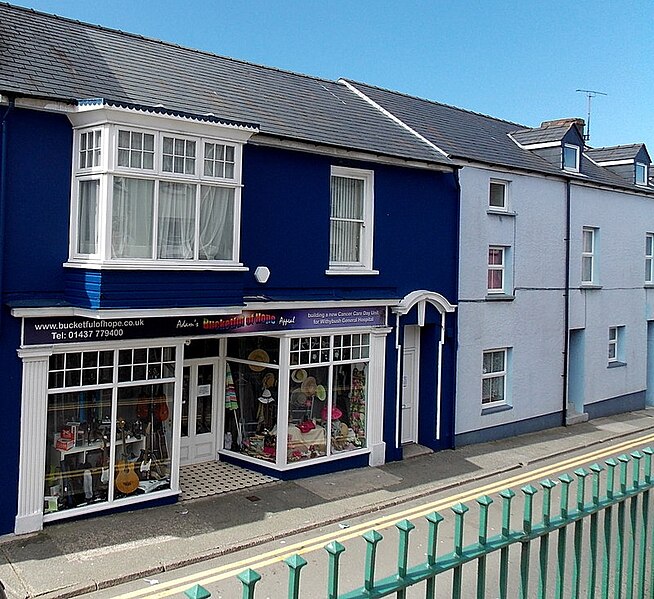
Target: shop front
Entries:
(111, 408)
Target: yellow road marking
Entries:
(179, 585)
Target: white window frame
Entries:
(641, 167)
(616, 345)
(589, 255)
(504, 185)
(577, 157)
(649, 258)
(496, 268)
(202, 133)
(495, 374)
(365, 262)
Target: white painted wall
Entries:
(532, 324)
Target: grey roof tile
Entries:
(466, 135)
(611, 153)
(49, 56)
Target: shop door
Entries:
(410, 384)
(198, 438)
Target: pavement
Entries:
(72, 558)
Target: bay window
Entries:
(144, 197)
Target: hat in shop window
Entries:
(268, 380)
(308, 386)
(299, 375)
(258, 355)
(266, 396)
(306, 425)
(336, 413)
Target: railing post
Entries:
(620, 546)
(608, 522)
(433, 519)
(249, 579)
(334, 549)
(507, 495)
(596, 470)
(543, 552)
(295, 563)
(645, 532)
(404, 527)
(566, 481)
(459, 514)
(484, 504)
(372, 538)
(633, 521)
(581, 474)
(529, 491)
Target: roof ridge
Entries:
(165, 43)
(618, 146)
(406, 95)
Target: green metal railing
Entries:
(596, 547)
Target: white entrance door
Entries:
(410, 384)
(199, 395)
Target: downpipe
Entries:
(3, 193)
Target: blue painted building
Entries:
(203, 259)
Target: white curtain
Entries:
(216, 223)
(176, 221)
(346, 219)
(87, 217)
(132, 209)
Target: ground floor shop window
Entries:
(109, 425)
(325, 400)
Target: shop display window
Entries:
(326, 396)
(327, 404)
(109, 425)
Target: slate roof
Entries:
(540, 135)
(470, 136)
(611, 153)
(53, 57)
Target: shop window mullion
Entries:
(283, 392)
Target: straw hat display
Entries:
(258, 355)
(309, 386)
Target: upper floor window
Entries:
(90, 149)
(496, 269)
(145, 197)
(641, 173)
(570, 157)
(351, 220)
(649, 258)
(498, 195)
(588, 255)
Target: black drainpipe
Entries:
(566, 309)
(3, 191)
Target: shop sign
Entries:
(72, 329)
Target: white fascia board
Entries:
(391, 116)
(263, 305)
(42, 105)
(262, 139)
(124, 312)
(95, 115)
(614, 162)
(538, 146)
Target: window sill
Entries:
(499, 297)
(491, 409)
(155, 265)
(616, 364)
(498, 212)
(589, 286)
(648, 285)
(352, 271)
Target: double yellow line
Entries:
(179, 585)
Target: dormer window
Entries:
(570, 157)
(641, 173)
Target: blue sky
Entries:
(517, 60)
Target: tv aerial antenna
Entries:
(590, 94)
